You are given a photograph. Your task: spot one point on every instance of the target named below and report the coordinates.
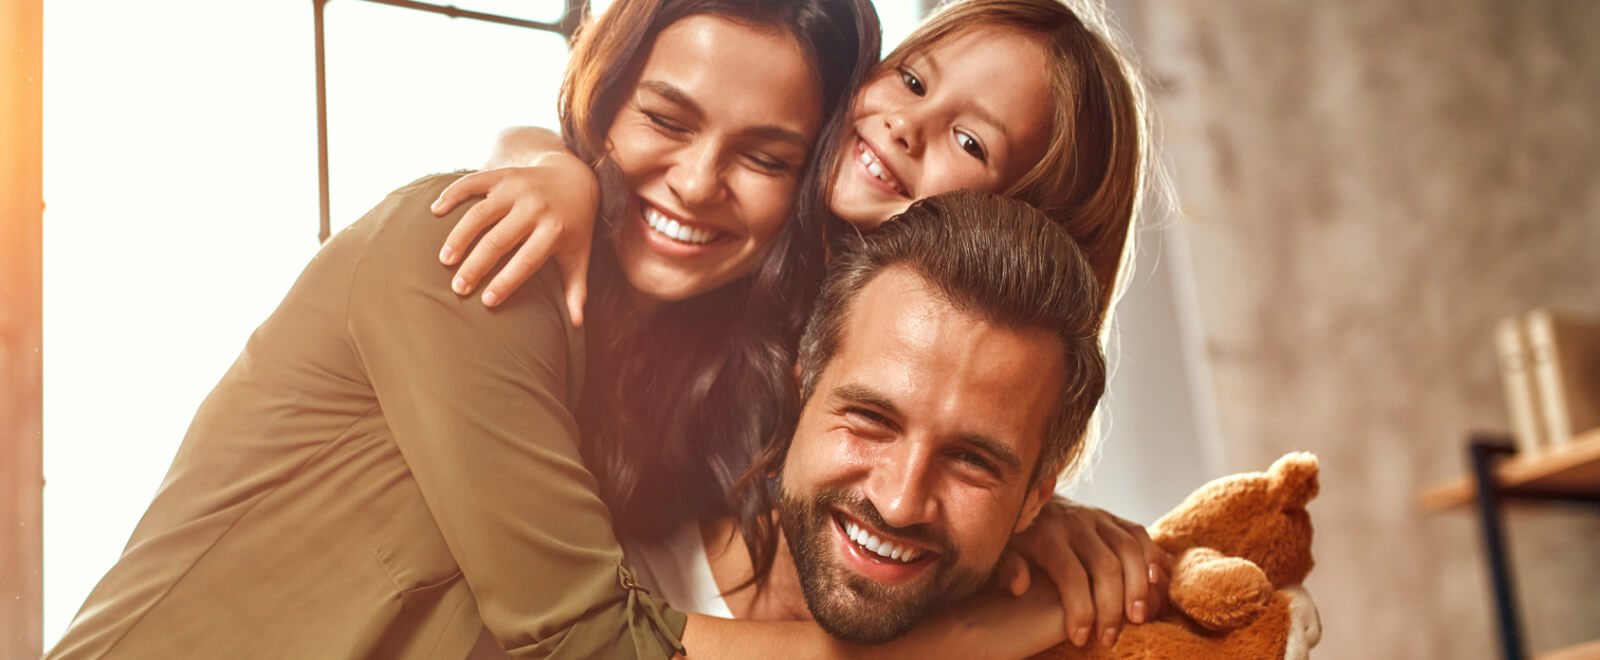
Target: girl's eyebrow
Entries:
(675, 95)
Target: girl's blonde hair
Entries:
(1099, 170)
(1097, 166)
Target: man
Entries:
(948, 375)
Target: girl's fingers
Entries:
(494, 245)
(528, 259)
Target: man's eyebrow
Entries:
(673, 94)
(857, 393)
(1000, 450)
(862, 394)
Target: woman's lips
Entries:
(674, 237)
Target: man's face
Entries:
(910, 467)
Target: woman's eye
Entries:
(970, 145)
(663, 123)
(771, 165)
(912, 82)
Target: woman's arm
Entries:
(990, 625)
(1104, 567)
(540, 201)
(479, 401)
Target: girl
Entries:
(1022, 97)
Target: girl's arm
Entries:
(540, 201)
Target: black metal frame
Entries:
(1483, 452)
(569, 23)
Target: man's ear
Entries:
(1032, 503)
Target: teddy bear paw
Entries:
(1305, 625)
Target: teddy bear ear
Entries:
(1296, 477)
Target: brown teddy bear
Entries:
(1243, 547)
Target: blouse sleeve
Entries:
(479, 401)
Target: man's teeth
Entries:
(881, 548)
(876, 169)
(670, 228)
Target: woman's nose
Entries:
(696, 177)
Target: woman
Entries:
(1022, 97)
(388, 471)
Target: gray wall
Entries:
(1368, 186)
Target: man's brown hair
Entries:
(996, 258)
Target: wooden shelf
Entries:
(1585, 651)
(1572, 469)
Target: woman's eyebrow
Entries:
(673, 94)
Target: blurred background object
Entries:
(1366, 187)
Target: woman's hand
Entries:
(544, 210)
(1103, 566)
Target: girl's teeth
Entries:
(875, 169)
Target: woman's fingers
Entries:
(1105, 578)
(1077, 599)
(1135, 569)
(1156, 561)
(1011, 573)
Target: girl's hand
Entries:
(1103, 566)
(548, 208)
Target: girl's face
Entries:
(711, 145)
(973, 111)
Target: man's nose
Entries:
(696, 176)
(901, 486)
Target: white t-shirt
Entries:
(676, 569)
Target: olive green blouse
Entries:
(386, 471)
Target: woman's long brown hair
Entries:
(676, 409)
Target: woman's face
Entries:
(972, 112)
(711, 145)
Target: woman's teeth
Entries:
(883, 549)
(671, 229)
(877, 169)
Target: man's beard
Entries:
(854, 607)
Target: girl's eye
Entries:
(912, 83)
(970, 145)
(665, 124)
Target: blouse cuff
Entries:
(651, 622)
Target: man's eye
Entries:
(970, 145)
(867, 416)
(978, 461)
(912, 82)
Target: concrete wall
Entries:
(1368, 186)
